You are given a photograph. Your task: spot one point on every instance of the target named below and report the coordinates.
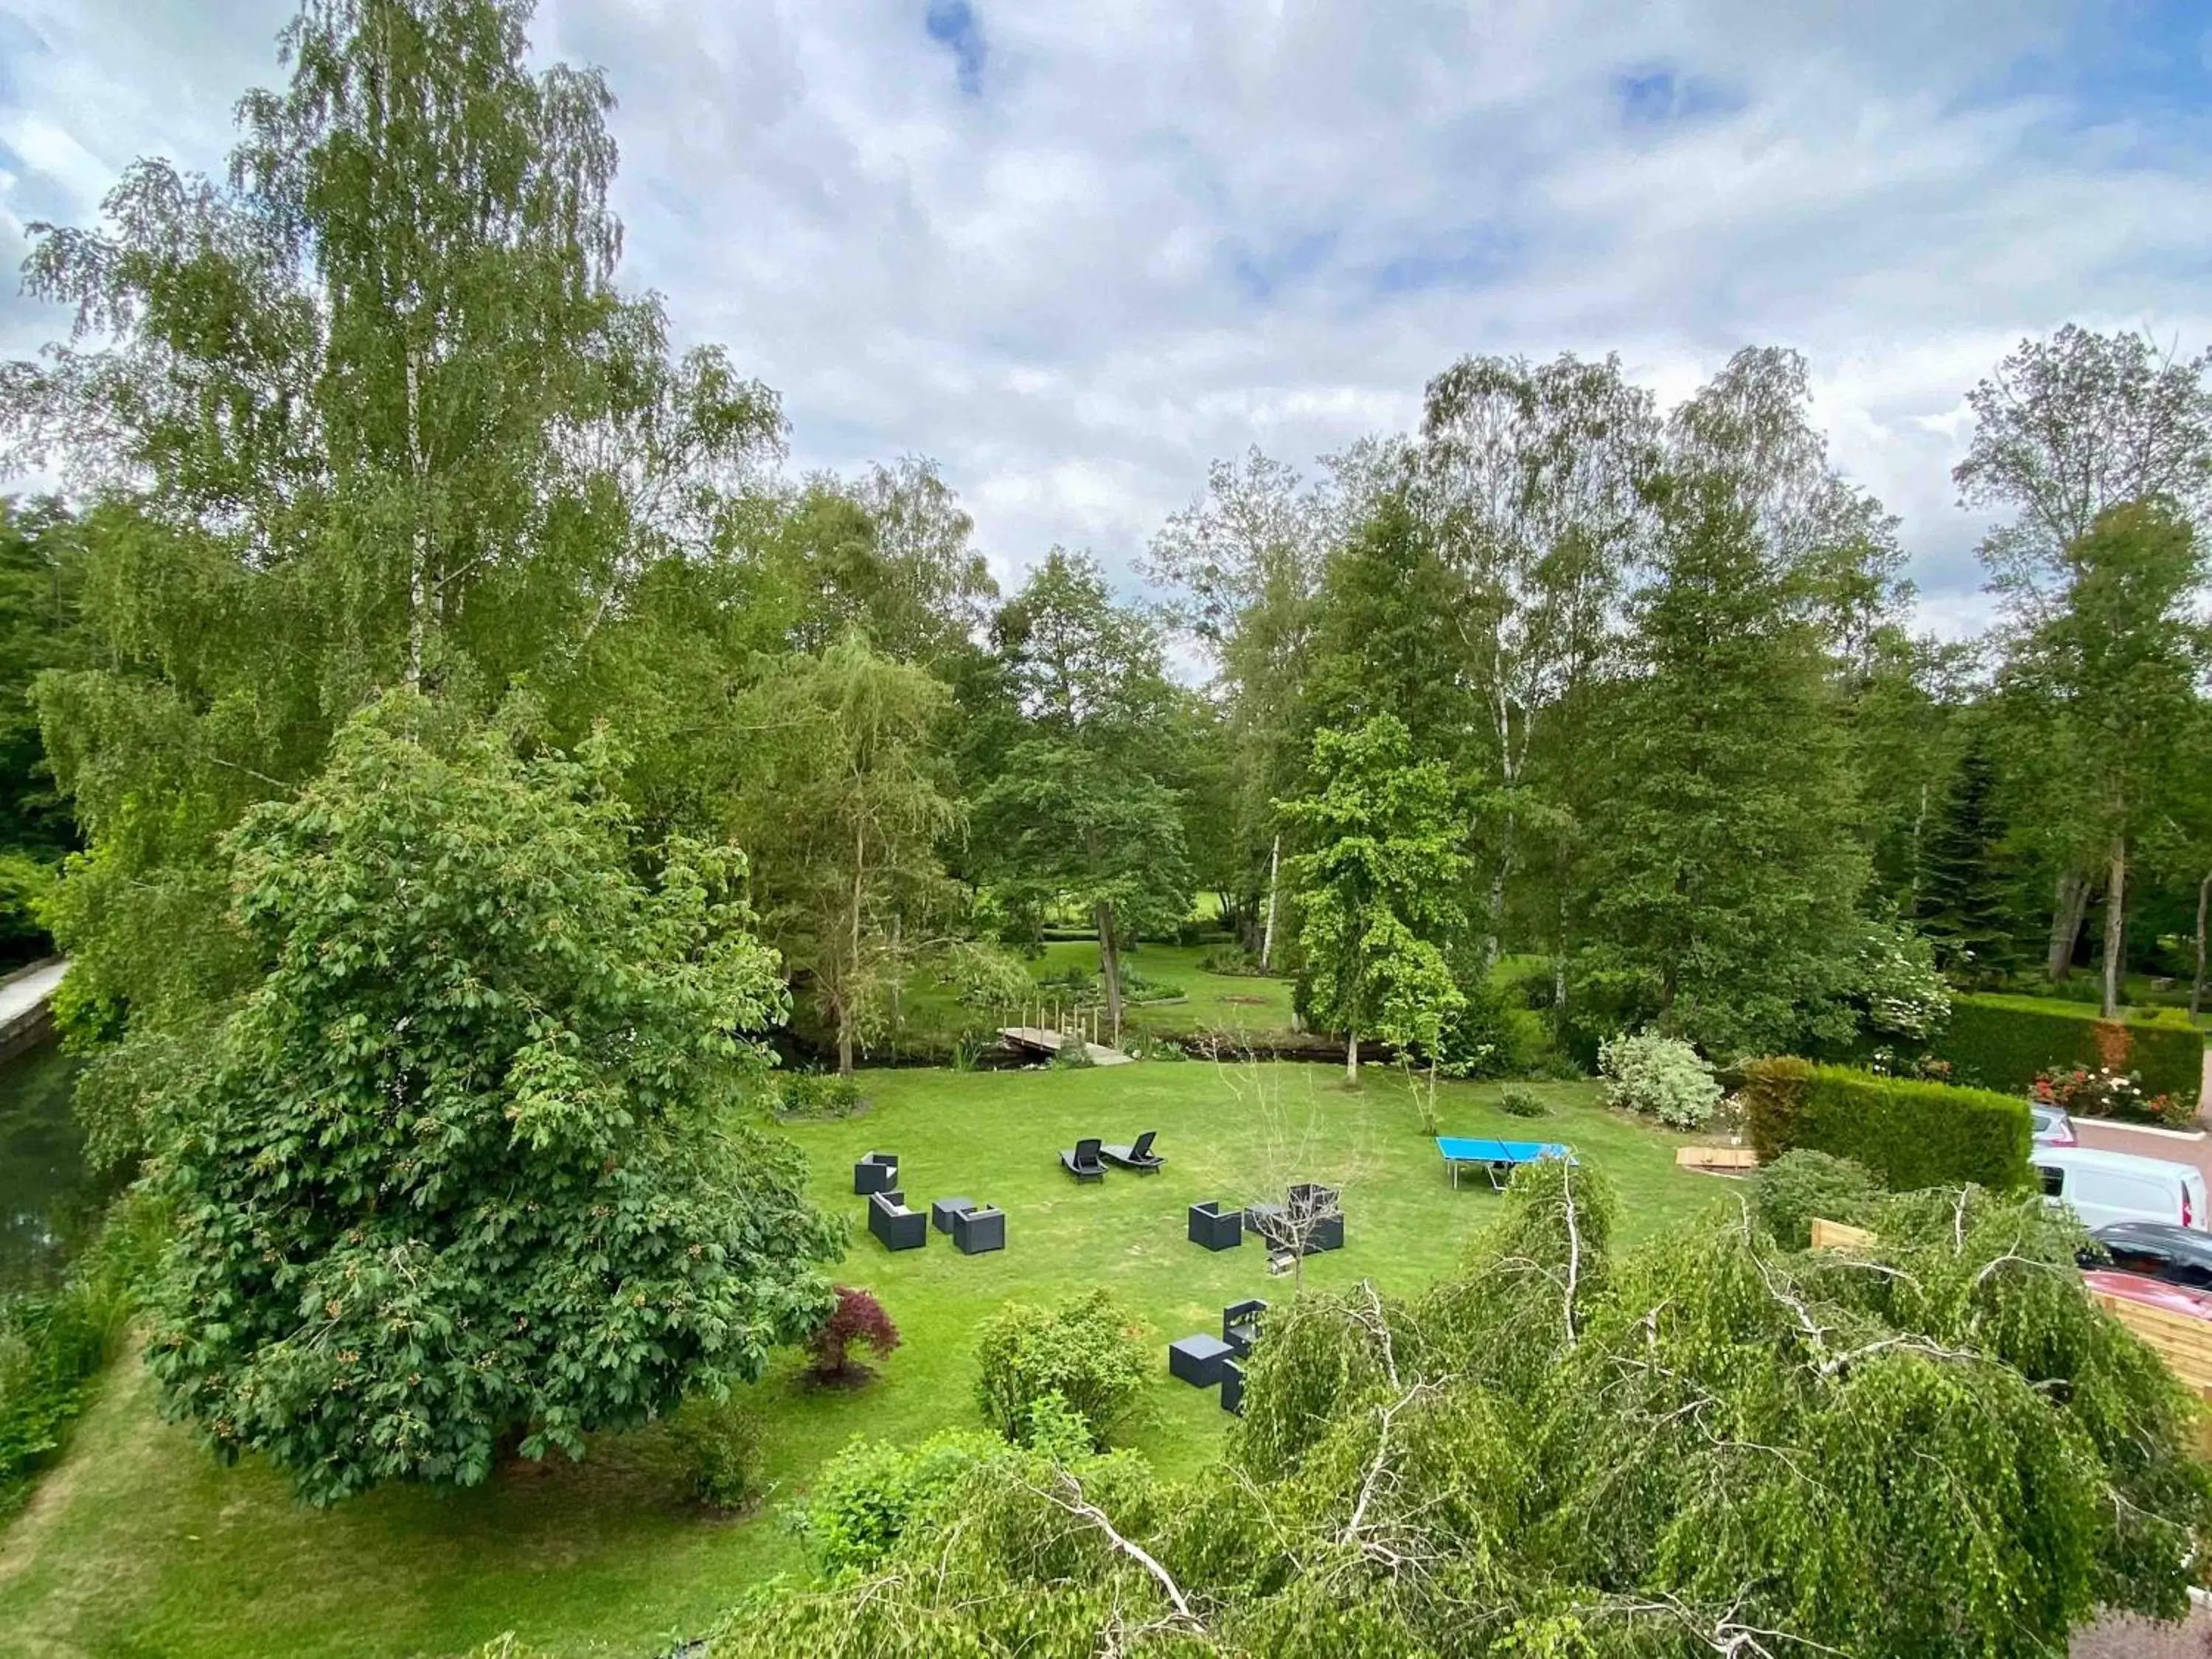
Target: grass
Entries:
(138, 1544)
(1231, 1005)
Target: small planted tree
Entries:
(1380, 887)
(858, 1318)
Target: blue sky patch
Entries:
(954, 26)
(1658, 95)
(1470, 258)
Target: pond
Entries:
(48, 1198)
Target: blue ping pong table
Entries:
(1497, 1158)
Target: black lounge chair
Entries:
(977, 1232)
(1140, 1158)
(876, 1173)
(1082, 1162)
(1240, 1325)
(897, 1226)
(1217, 1231)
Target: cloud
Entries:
(1075, 248)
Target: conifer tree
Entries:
(1965, 885)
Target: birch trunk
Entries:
(418, 564)
(1351, 1057)
(2115, 918)
(1267, 937)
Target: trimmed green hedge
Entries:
(1911, 1134)
(2002, 1042)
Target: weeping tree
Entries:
(1711, 1443)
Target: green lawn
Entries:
(137, 1545)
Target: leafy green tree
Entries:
(1726, 864)
(2114, 669)
(2065, 428)
(1379, 889)
(841, 810)
(1383, 644)
(462, 1171)
(1534, 476)
(1078, 813)
(1965, 891)
(369, 411)
(1248, 558)
(40, 574)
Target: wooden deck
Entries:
(1039, 1039)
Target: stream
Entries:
(48, 1199)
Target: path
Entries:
(27, 990)
(2119, 1636)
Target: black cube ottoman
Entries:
(1197, 1359)
(942, 1210)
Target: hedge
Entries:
(1911, 1134)
(2002, 1042)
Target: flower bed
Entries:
(2101, 1091)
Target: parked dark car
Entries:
(2155, 1249)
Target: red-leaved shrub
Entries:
(859, 1318)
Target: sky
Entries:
(1074, 249)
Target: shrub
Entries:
(2005, 1043)
(1233, 959)
(1911, 1134)
(816, 1095)
(2103, 1092)
(1072, 1055)
(1479, 1038)
(868, 1494)
(1661, 1076)
(721, 1442)
(1801, 1186)
(1085, 1351)
(24, 884)
(1519, 1102)
(858, 1317)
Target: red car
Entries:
(2149, 1292)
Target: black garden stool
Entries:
(1197, 1359)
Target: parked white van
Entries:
(2102, 1187)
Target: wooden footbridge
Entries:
(1043, 1040)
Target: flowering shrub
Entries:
(1888, 1062)
(1898, 985)
(2105, 1093)
(1661, 1076)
